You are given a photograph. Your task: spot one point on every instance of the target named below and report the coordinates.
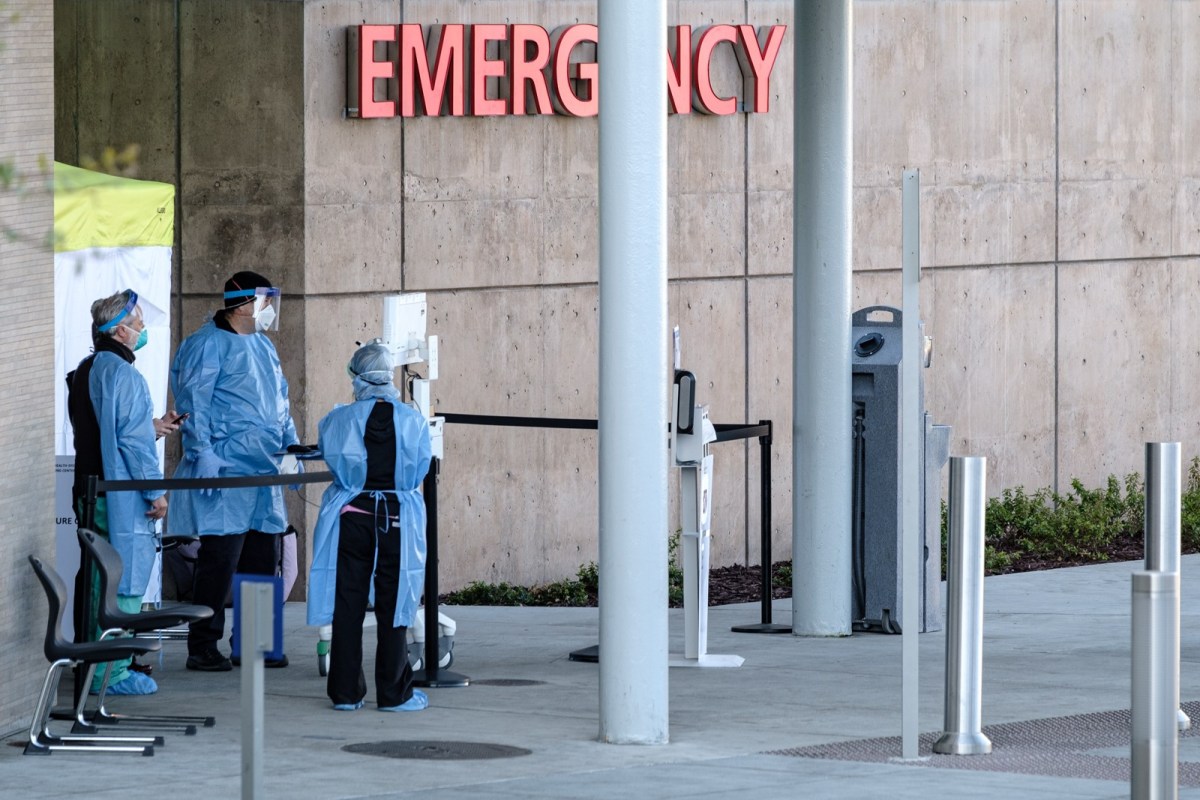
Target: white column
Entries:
(821, 417)
(634, 379)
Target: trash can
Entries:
(876, 338)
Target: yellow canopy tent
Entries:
(110, 233)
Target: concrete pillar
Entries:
(633, 372)
(821, 428)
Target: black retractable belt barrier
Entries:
(726, 432)
(766, 594)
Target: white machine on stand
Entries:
(404, 331)
(691, 434)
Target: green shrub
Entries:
(478, 593)
(781, 575)
(1190, 511)
(674, 572)
(1022, 530)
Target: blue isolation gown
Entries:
(233, 388)
(121, 400)
(341, 442)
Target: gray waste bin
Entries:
(876, 337)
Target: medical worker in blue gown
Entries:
(227, 379)
(114, 431)
(371, 527)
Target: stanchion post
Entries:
(1154, 736)
(256, 628)
(429, 675)
(764, 547)
(764, 527)
(82, 612)
(1163, 537)
(963, 717)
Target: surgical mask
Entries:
(143, 337)
(263, 318)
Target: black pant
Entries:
(252, 553)
(360, 546)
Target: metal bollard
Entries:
(1154, 743)
(963, 734)
(257, 631)
(1163, 535)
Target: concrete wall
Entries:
(26, 351)
(1057, 144)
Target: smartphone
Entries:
(179, 419)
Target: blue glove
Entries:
(208, 465)
(295, 487)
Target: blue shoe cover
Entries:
(348, 706)
(135, 684)
(418, 701)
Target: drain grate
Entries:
(436, 750)
(506, 682)
(1055, 747)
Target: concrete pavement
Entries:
(1056, 645)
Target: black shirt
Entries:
(380, 441)
(81, 412)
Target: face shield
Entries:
(132, 314)
(266, 306)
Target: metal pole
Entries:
(1163, 526)
(912, 433)
(82, 612)
(766, 588)
(764, 528)
(1154, 743)
(821, 268)
(963, 718)
(256, 627)
(634, 380)
(430, 674)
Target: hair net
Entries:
(372, 369)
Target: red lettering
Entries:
(497, 69)
(483, 68)
(449, 70)
(529, 53)
(370, 70)
(704, 96)
(575, 82)
(679, 70)
(756, 63)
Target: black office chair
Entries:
(63, 653)
(113, 621)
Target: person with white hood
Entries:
(371, 532)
